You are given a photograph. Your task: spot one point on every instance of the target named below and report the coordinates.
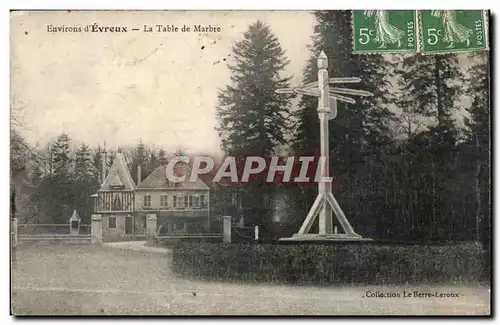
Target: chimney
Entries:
(138, 175)
(103, 169)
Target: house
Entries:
(179, 207)
(115, 201)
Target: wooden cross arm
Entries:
(307, 91)
(347, 91)
(285, 91)
(341, 98)
(315, 93)
(347, 80)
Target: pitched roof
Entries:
(158, 180)
(118, 176)
(74, 216)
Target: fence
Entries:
(42, 229)
(84, 233)
(174, 238)
(228, 233)
(49, 229)
(52, 233)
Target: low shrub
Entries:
(323, 264)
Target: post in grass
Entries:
(325, 204)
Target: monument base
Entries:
(324, 238)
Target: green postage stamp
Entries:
(453, 30)
(385, 31)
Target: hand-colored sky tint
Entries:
(160, 88)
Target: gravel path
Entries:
(139, 246)
(90, 280)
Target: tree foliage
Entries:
(252, 117)
(406, 171)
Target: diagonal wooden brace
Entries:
(312, 215)
(346, 226)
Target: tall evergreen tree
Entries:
(162, 157)
(139, 157)
(86, 183)
(61, 155)
(57, 194)
(430, 88)
(478, 90)
(84, 165)
(252, 117)
(479, 141)
(358, 126)
(152, 162)
(97, 162)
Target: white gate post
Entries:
(96, 229)
(151, 225)
(226, 229)
(256, 233)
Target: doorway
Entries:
(128, 225)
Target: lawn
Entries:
(92, 280)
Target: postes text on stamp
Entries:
(384, 31)
(444, 31)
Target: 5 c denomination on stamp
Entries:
(444, 31)
(377, 31)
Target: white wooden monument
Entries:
(325, 202)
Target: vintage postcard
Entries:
(215, 163)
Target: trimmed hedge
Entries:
(340, 263)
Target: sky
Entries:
(121, 88)
(156, 87)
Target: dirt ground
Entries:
(91, 280)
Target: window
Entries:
(145, 222)
(147, 201)
(194, 201)
(112, 222)
(180, 202)
(202, 201)
(164, 201)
